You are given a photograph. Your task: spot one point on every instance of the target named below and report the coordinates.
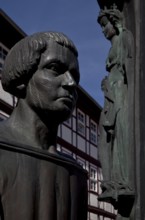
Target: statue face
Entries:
(107, 28)
(52, 88)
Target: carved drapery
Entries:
(116, 129)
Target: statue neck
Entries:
(113, 39)
(27, 127)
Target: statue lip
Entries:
(67, 100)
(67, 97)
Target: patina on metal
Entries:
(37, 181)
(115, 148)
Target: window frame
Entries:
(81, 122)
(93, 132)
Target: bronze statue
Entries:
(115, 150)
(37, 181)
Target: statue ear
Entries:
(20, 91)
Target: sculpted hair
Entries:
(23, 59)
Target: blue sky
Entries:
(78, 20)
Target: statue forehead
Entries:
(57, 51)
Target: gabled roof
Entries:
(10, 33)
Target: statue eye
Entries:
(54, 66)
(58, 68)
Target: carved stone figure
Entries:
(115, 150)
(37, 181)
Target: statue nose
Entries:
(69, 80)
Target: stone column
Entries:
(134, 20)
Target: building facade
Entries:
(77, 136)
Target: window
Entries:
(3, 52)
(81, 117)
(93, 173)
(93, 132)
(93, 186)
(81, 122)
(93, 179)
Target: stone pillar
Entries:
(139, 7)
(134, 19)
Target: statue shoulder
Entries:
(127, 41)
(127, 36)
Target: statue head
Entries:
(43, 70)
(23, 59)
(111, 21)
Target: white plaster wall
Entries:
(74, 124)
(74, 139)
(93, 216)
(87, 120)
(93, 200)
(108, 207)
(101, 217)
(93, 151)
(81, 143)
(88, 147)
(88, 133)
(66, 134)
(5, 96)
(101, 205)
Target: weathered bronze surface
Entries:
(115, 148)
(37, 181)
